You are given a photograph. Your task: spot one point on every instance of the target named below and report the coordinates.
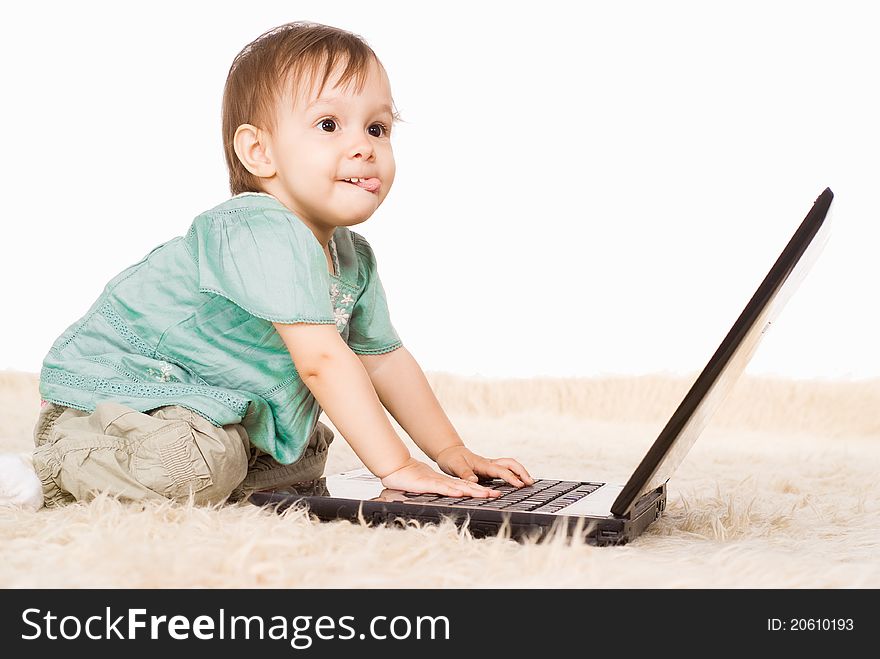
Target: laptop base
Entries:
(520, 526)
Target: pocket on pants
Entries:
(170, 463)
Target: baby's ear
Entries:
(250, 145)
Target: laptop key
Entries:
(543, 495)
(470, 501)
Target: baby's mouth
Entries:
(368, 184)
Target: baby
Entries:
(201, 370)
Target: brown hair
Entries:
(294, 53)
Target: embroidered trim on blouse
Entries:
(255, 194)
(342, 307)
(165, 367)
(274, 389)
(140, 390)
(125, 331)
(163, 374)
(376, 351)
(335, 256)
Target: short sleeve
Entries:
(370, 328)
(266, 261)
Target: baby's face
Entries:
(320, 142)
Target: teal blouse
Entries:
(191, 324)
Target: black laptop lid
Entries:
(729, 361)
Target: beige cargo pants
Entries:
(167, 453)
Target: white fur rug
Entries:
(781, 491)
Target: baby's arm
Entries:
(337, 379)
(404, 391)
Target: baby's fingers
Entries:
(453, 487)
(516, 468)
(496, 470)
(460, 467)
(467, 489)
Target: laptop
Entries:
(601, 513)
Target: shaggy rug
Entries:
(780, 491)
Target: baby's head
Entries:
(306, 107)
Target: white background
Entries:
(583, 188)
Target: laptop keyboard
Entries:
(544, 496)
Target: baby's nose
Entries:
(363, 150)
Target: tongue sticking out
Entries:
(369, 184)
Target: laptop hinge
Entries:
(646, 501)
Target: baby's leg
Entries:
(170, 452)
(266, 473)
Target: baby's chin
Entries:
(351, 221)
(353, 217)
(355, 207)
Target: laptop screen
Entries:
(731, 358)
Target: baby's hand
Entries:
(418, 477)
(460, 461)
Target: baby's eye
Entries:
(378, 130)
(328, 125)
